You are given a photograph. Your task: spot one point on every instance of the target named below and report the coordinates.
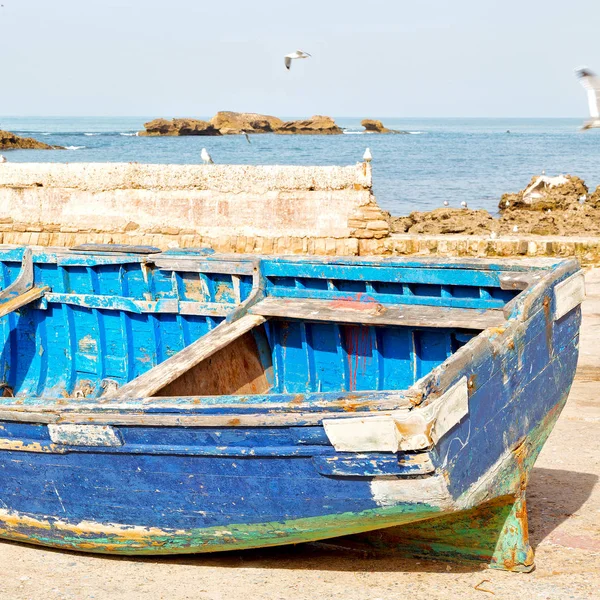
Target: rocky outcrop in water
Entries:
(547, 206)
(178, 127)
(232, 123)
(375, 126)
(10, 141)
(318, 124)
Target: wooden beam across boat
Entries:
(374, 313)
(22, 299)
(168, 371)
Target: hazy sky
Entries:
(431, 58)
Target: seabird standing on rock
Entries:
(205, 156)
(290, 57)
(446, 203)
(463, 204)
(2, 159)
(367, 156)
(591, 82)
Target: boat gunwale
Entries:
(51, 254)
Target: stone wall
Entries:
(269, 209)
(585, 248)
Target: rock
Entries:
(233, 123)
(551, 206)
(178, 127)
(159, 127)
(317, 124)
(544, 193)
(594, 199)
(375, 126)
(195, 127)
(10, 141)
(446, 220)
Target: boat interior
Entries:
(134, 323)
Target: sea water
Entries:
(472, 160)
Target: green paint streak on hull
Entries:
(217, 539)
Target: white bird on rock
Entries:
(591, 82)
(205, 156)
(463, 204)
(367, 156)
(446, 203)
(290, 57)
(2, 159)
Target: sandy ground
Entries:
(564, 509)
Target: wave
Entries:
(91, 134)
(74, 147)
(129, 134)
(416, 132)
(354, 132)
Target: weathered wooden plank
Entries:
(374, 313)
(233, 370)
(568, 294)
(342, 401)
(531, 300)
(168, 371)
(120, 303)
(434, 262)
(457, 275)
(373, 465)
(84, 435)
(473, 302)
(180, 420)
(22, 299)
(194, 264)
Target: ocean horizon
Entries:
(455, 159)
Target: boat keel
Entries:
(495, 533)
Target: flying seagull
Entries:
(298, 54)
(591, 82)
(205, 156)
(247, 136)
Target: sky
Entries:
(371, 58)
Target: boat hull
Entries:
(215, 405)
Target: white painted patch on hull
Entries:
(568, 294)
(431, 490)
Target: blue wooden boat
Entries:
(181, 402)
